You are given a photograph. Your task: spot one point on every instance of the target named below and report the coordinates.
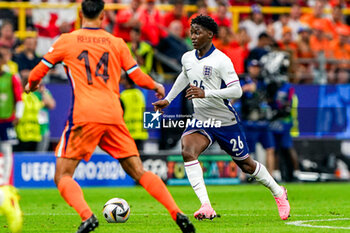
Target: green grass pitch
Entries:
(243, 208)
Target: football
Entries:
(116, 210)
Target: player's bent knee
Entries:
(188, 155)
(137, 174)
(59, 176)
(247, 168)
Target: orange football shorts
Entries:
(80, 140)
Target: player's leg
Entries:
(192, 146)
(7, 138)
(261, 174)
(9, 198)
(6, 162)
(69, 188)
(157, 189)
(151, 182)
(73, 194)
(119, 144)
(9, 206)
(77, 142)
(232, 140)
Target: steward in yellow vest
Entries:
(133, 103)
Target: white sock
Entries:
(195, 176)
(7, 161)
(1, 197)
(263, 176)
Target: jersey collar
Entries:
(211, 50)
(90, 28)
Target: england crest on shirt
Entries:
(207, 71)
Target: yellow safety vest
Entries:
(28, 128)
(134, 106)
(294, 113)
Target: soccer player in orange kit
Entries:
(93, 60)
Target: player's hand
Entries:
(160, 91)
(27, 89)
(194, 92)
(160, 104)
(35, 86)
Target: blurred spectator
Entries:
(27, 59)
(173, 45)
(177, 13)
(9, 66)
(317, 14)
(279, 25)
(7, 35)
(221, 15)
(286, 43)
(28, 128)
(7, 15)
(254, 26)
(342, 76)
(11, 110)
(318, 41)
(49, 103)
(134, 104)
(304, 51)
(150, 18)
(280, 96)
(109, 19)
(50, 23)
(141, 51)
(341, 48)
(224, 39)
(225, 42)
(270, 30)
(126, 19)
(256, 113)
(262, 48)
(243, 39)
(336, 20)
(202, 9)
(294, 20)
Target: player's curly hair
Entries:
(92, 8)
(207, 22)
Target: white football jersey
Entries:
(211, 72)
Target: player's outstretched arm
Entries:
(145, 81)
(180, 84)
(35, 77)
(160, 91)
(233, 91)
(160, 104)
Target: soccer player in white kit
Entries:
(213, 80)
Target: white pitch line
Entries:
(302, 223)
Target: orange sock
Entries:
(73, 195)
(155, 186)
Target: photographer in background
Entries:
(256, 113)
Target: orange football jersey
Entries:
(93, 59)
